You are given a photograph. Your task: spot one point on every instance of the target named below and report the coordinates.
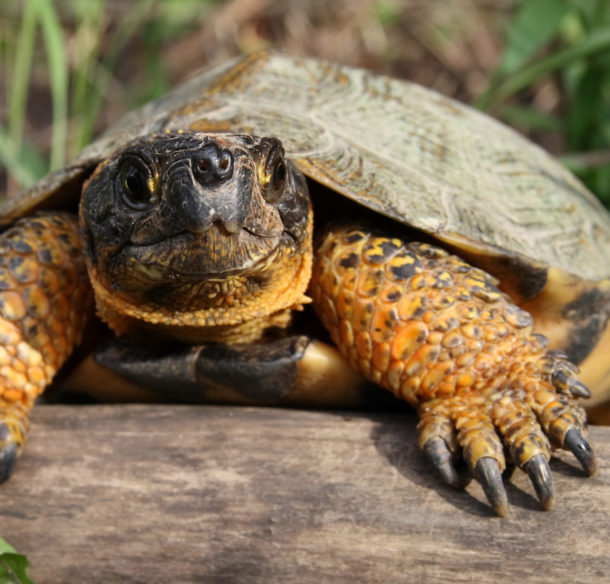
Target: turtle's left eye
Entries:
(277, 178)
(134, 178)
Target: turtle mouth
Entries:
(189, 238)
(188, 256)
(177, 273)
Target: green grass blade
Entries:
(21, 74)
(531, 119)
(25, 164)
(585, 117)
(88, 37)
(124, 32)
(58, 69)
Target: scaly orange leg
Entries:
(45, 301)
(438, 333)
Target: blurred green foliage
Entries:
(13, 566)
(569, 39)
(83, 42)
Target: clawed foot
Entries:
(13, 429)
(513, 427)
(9, 450)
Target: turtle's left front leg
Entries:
(45, 302)
(438, 333)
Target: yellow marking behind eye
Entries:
(153, 183)
(264, 177)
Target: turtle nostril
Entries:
(212, 166)
(225, 161)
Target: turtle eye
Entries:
(277, 178)
(134, 175)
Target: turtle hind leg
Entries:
(45, 300)
(438, 333)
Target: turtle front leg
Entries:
(438, 333)
(45, 301)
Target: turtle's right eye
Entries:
(276, 174)
(135, 183)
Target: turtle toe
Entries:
(540, 474)
(445, 462)
(9, 451)
(14, 427)
(487, 472)
(8, 459)
(580, 448)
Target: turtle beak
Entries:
(188, 207)
(206, 187)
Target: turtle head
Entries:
(197, 229)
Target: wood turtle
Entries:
(453, 263)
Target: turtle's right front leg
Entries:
(439, 334)
(45, 301)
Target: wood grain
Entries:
(231, 495)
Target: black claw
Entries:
(438, 454)
(539, 472)
(580, 448)
(577, 388)
(8, 458)
(488, 474)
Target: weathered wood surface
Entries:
(230, 495)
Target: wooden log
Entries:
(230, 495)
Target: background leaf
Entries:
(13, 566)
(535, 23)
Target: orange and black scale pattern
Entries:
(45, 301)
(438, 333)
